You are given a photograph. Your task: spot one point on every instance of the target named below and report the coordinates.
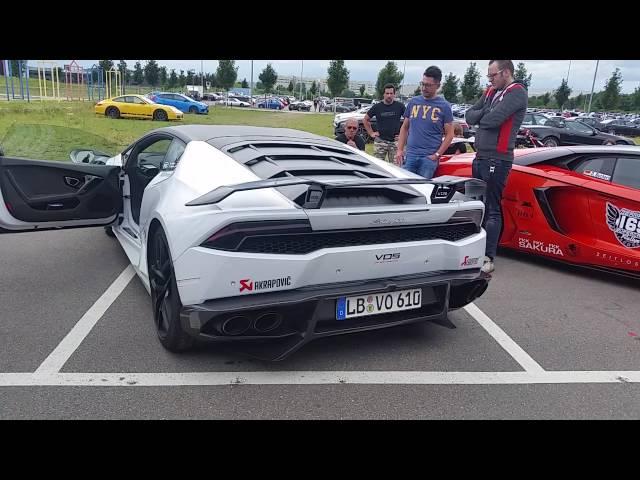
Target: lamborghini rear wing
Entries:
(444, 188)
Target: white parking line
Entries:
(313, 378)
(56, 359)
(512, 348)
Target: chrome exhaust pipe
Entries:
(236, 325)
(267, 322)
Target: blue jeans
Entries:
(495, 174)
(420, 164)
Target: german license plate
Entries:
(376, 303)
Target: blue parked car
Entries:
(181, 102)
(271, 103)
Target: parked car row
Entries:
(558, 131)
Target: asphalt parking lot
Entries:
(546, 341)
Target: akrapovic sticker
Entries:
(538, 246)
(250, 285)
(625, 225)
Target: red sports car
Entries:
(575, 204)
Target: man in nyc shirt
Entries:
(427, 119)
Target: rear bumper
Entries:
(272, 326)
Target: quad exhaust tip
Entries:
(236, 325)
(267, 322)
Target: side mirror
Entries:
(94, 157)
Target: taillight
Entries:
(232, 236)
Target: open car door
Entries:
(40, 194)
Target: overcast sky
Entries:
(547, 74)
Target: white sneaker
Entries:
(487, 266)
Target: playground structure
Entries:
(43, 65)
(100, 84)
(113, 83)
(95, 83)
(23, 77)
(74, 90)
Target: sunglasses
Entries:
(352, 128)
(428, 85)
(491, 75)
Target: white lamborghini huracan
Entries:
(265, 236)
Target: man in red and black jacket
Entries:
(498, 116)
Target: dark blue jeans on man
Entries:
(420, 164)
(495, 174)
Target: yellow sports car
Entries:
(137, 106)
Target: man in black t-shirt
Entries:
(350, 135)
(388, 115)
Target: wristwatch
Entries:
(437, 155)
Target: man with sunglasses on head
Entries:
(350, 135)
(427, 118)
(498, 115)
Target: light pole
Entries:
(593, 85)
(301, 81)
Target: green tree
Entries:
(182, 80)
(290, 87)
(362, 89)
(470, 88)
(151, 72)
(562, 93)
(611, 95)
(173, 79)
(544, 98)
(138, 74)
(106, 65)
(163, 76)
(16, 65)
(636, 98)
(212, 79)
(521, 75)
(227, 73)
(268, 77)
(388, 74)
(245, 84)
(450, 88)
(314, 88)
(125, 74)
(338, 77)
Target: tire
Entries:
(550, 142)
(109, 232)
(112, 112)
(165, 300)
(193, 109)
(160, 115)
